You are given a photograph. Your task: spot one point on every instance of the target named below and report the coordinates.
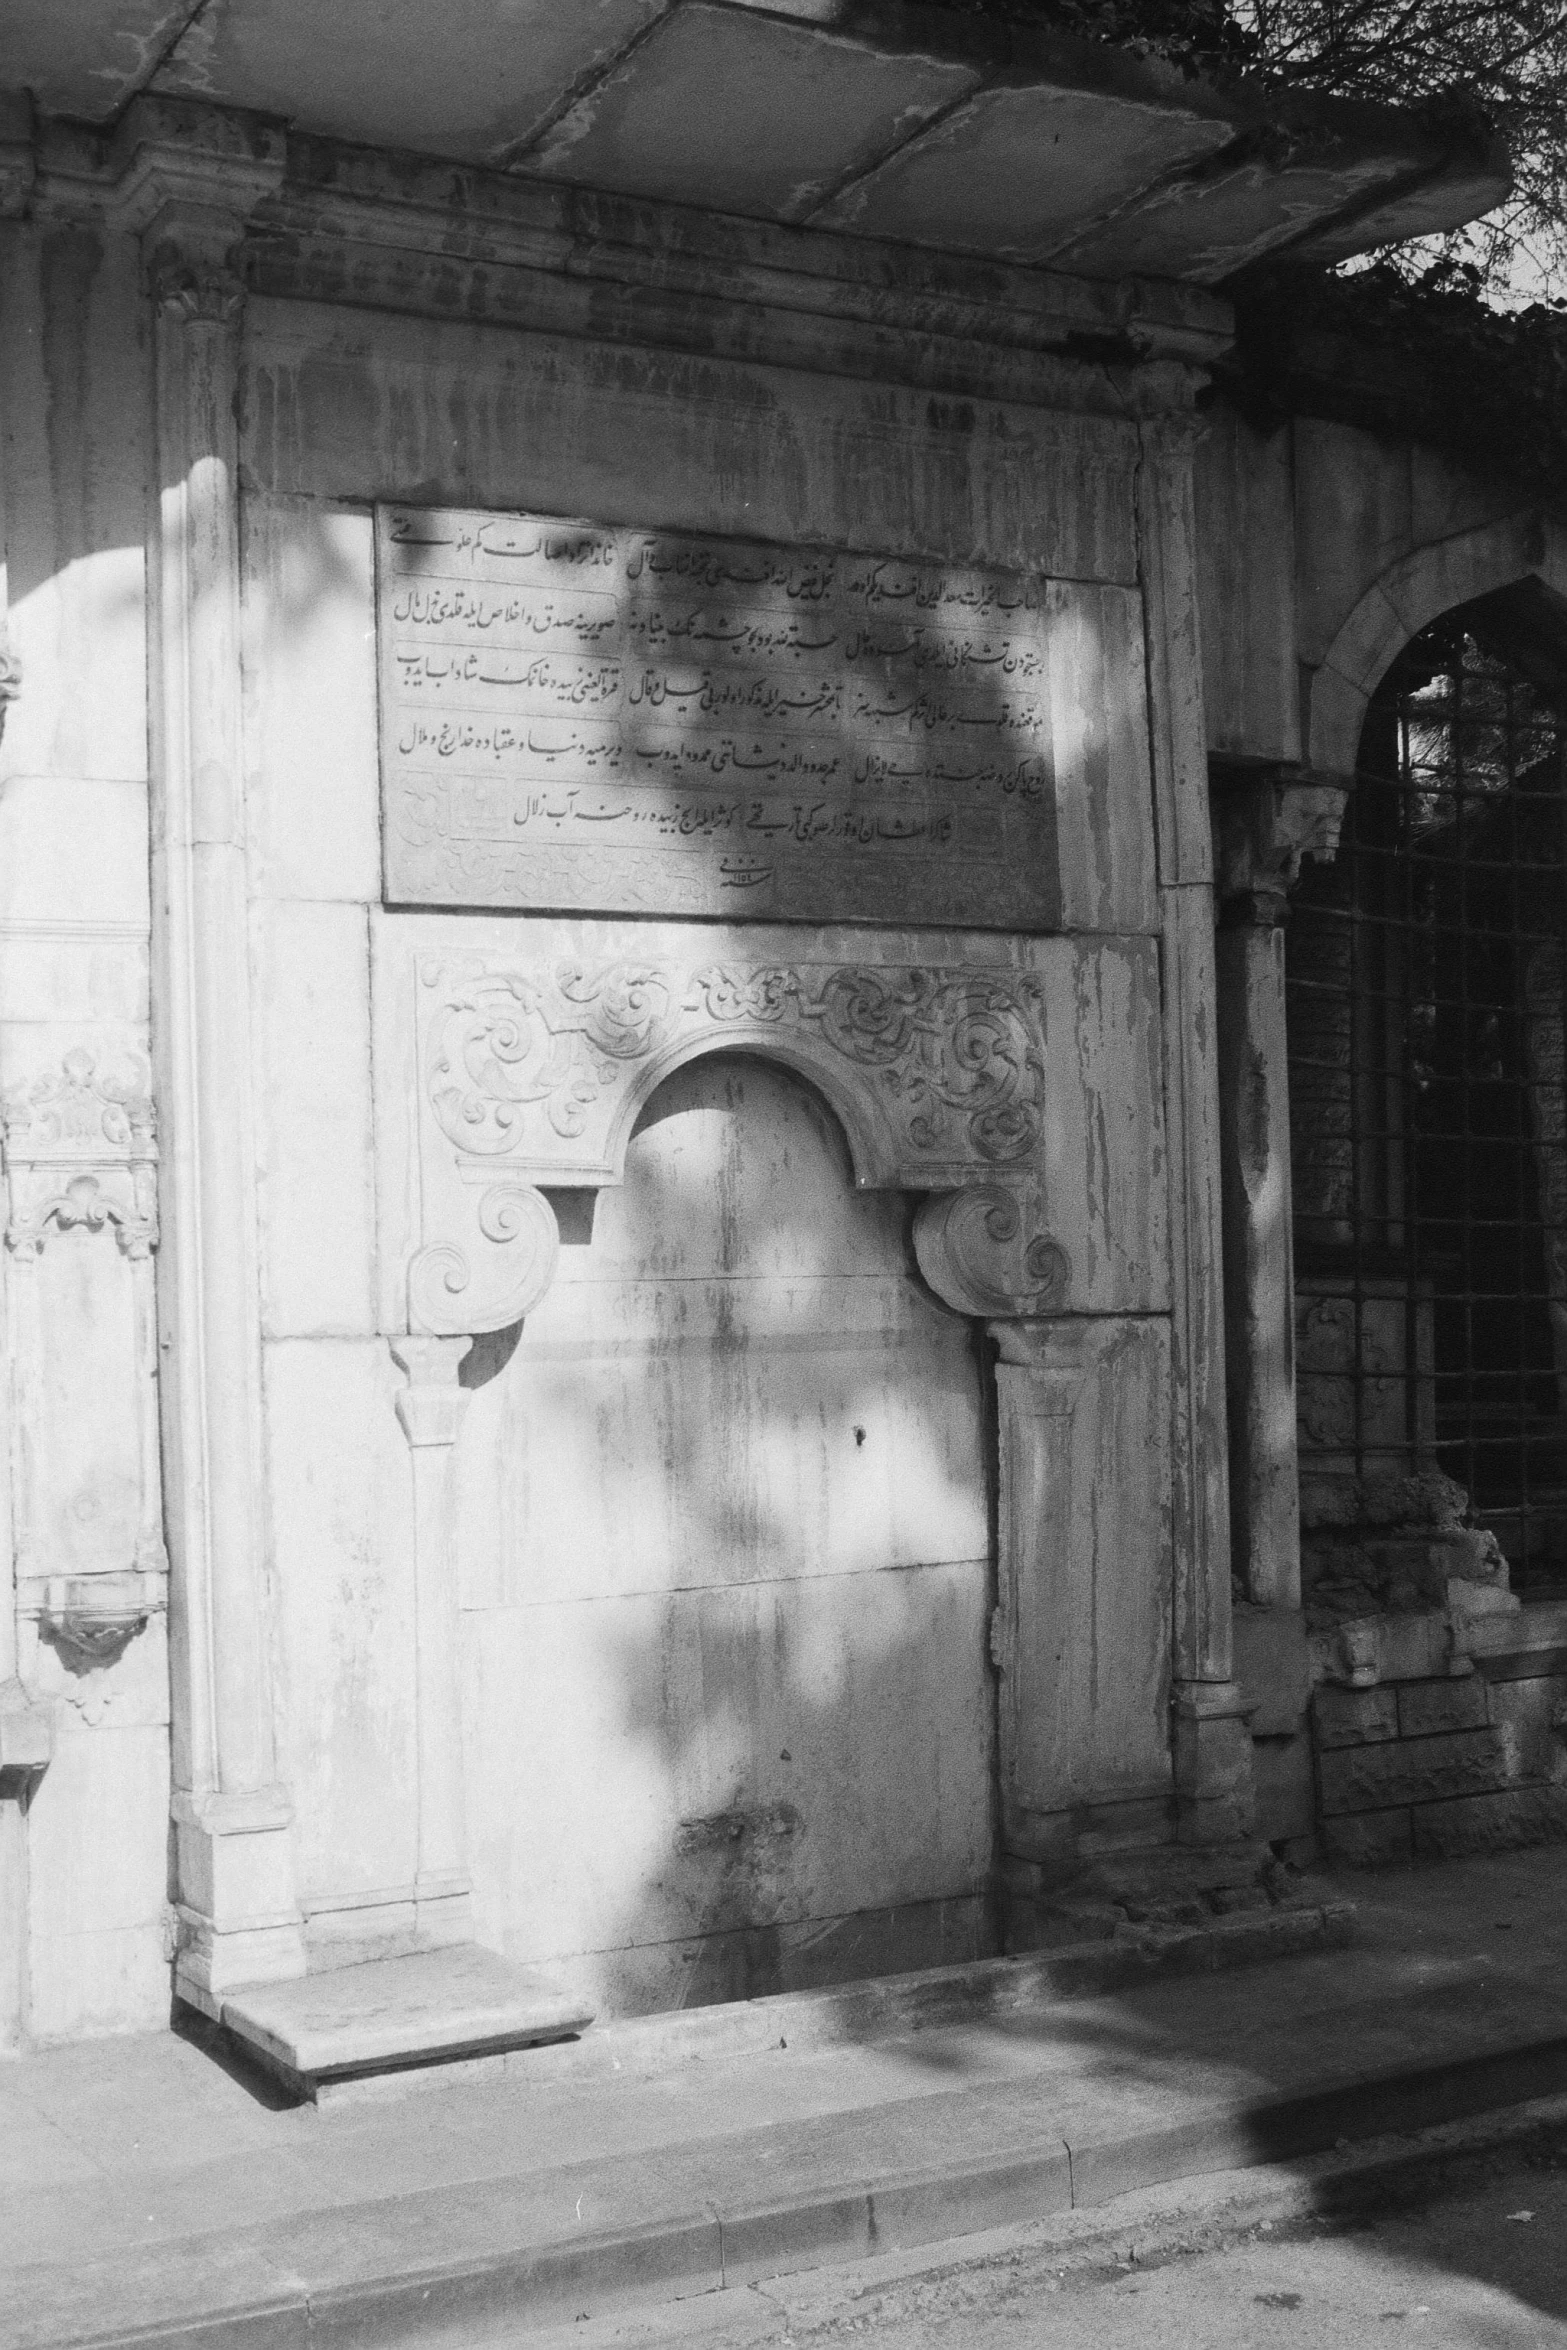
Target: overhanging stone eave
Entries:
(1330, 163)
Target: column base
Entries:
(1215, 1802)
(239, 1921)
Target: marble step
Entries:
(426, 2007)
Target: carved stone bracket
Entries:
(497, 1275)
(533, 1074)
(984, 1254)
(81, 1153)
(90, 1620)
(1264, 825)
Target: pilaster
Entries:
(1180, 783)
(233, 1817)
(1202, 1646)
(431, 1410)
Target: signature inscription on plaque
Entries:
(616, 720)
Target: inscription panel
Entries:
(616, 720)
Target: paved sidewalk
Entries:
(147, 2195)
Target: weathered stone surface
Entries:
(1369, 1839)
(1499, 1822)
(1534, 1710)
(722, 1515)
(1283, 1774)
(1353, 1717)
(788, 112)
(1416, 1770)
(1426, 1708)
(1273, 1665)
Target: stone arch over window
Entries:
(1407, 597)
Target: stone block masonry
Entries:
(1434, 1769)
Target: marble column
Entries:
(239, 1917)
(430, 1409)
(1264, 823)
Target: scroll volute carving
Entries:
(498, 1274)
(983, 1253)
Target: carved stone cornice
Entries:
(81, 1153)
(1265, 822)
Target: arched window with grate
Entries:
(1425, 988)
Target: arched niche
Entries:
(725, 1538)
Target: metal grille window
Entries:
(1425, 976)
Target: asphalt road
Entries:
(1482, 2266)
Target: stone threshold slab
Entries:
(425, 2007)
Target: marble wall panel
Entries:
(75, 369)
(736, 1381)
(1086, 1550)
(311, 803)
(341, 1543)
(664, 1766)
(728, 1505)
(97, 1869)
(315, 1171)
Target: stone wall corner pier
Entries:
(239, 1918)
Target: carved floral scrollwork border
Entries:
(532, 1074)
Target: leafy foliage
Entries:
(1501, 61)
(1426, 354)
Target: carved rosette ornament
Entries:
(81, 1155)
(533, 1075)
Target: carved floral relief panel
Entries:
(510, 1070)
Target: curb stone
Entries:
(489, 2297)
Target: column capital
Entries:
(430, 1408)
(1266, 820)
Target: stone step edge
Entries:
(881, 2005)
(497, 2298)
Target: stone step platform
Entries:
(390, 2015)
